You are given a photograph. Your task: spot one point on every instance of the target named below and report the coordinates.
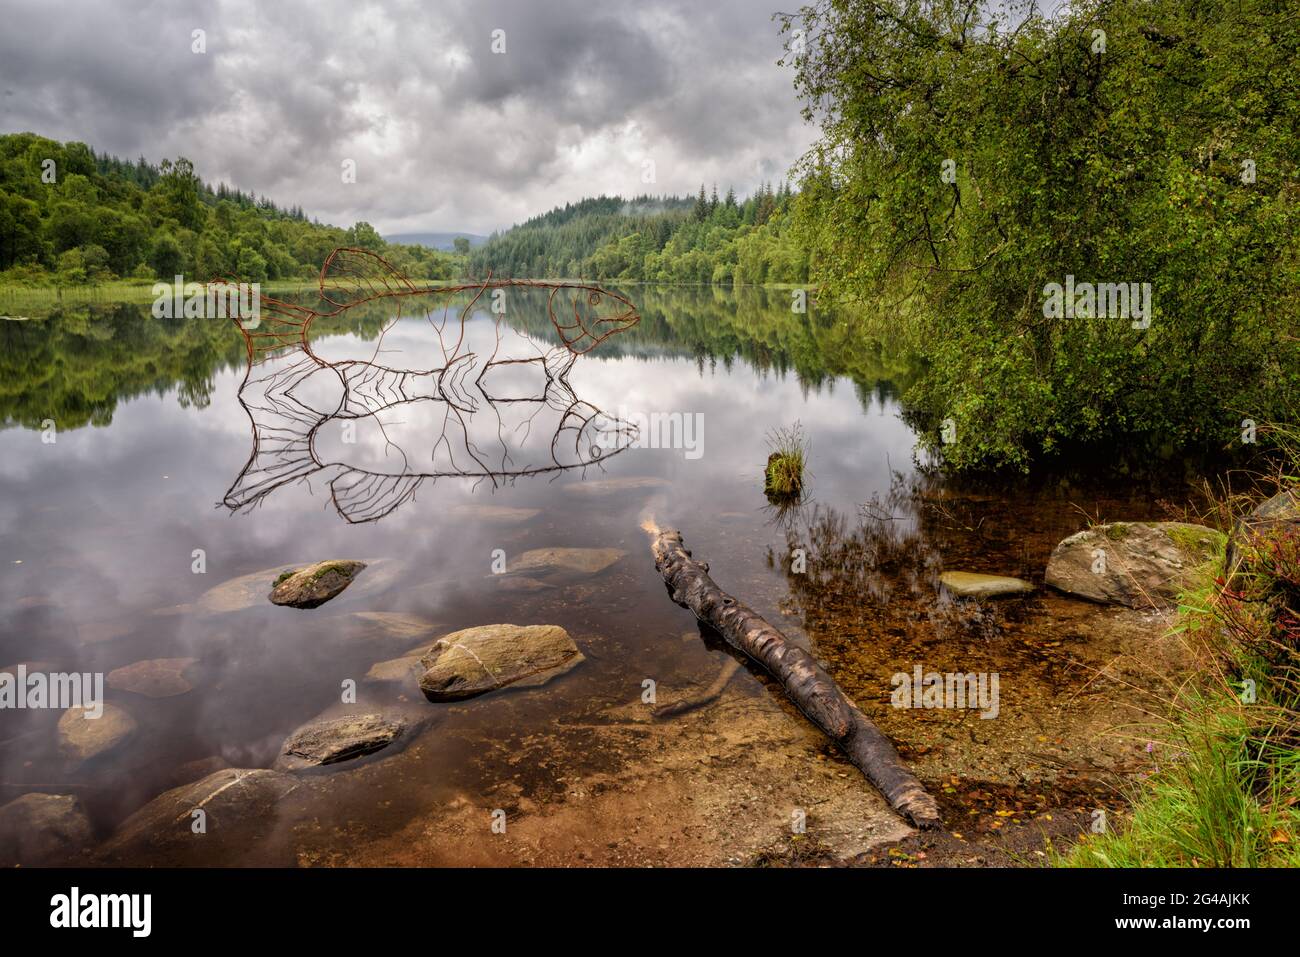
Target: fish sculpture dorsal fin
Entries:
(351, 276)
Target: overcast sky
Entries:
(445, 134)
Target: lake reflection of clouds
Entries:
(107, 519)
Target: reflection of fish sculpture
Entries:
(546, 434)
(455, 409)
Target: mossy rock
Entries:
(249, 591)
(316, 584)
(1138, 564)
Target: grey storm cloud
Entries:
(444, 133)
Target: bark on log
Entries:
(814, 691)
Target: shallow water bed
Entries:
(120, 547)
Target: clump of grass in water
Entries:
(783, 478)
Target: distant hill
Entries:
(708, 239)
(434, 240)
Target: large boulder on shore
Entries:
(42, 829)
(333, 740)
(477, 660)
(1138, 564)
(316, 584)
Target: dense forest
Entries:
(709, 239)
(969, 160)
(69, 215)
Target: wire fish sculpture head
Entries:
(593, 315)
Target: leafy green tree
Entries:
(71, 267)
(968, 160)
(165, 256)
(251, 266)
(20, 230)
(365, 236)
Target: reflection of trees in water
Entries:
(75, 364)
(756, 325)
(879, 570)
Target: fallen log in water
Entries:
(814, 691)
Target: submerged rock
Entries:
(395, 669)
(93, 633)
(588, 561)
(977, 585)
(610, 486)
(495, 514)
(42, 829)
(331, 740)
(477, 660)
(385, 625)
(239, 811)
(316, 584)
(156, 678)
(83, 737)
(1138, 564)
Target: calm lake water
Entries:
(99, 528)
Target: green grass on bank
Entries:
(1226, 789)
(125, 291)
(14, 298)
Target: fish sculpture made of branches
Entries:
(291, 392)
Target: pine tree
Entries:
(701, 211)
